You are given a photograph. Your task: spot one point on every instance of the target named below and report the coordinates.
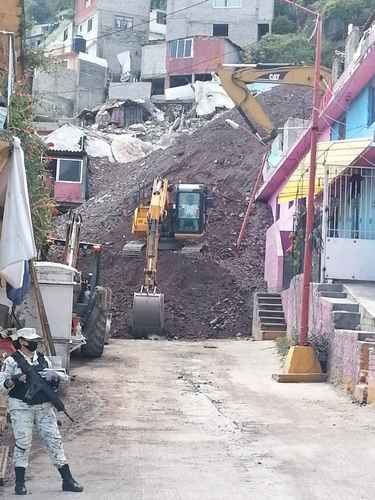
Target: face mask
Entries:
(32, 345)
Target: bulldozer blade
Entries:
(148, 314)
(134, 248)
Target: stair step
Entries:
(265, 313)
(345, 306)
(272, 335)
(345, 320)
(269, 300)
(271, 307)
(273, 327)
(260, 295)
(271, 320)
(334, 295)
(327, 287)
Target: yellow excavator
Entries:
(172, 216)
(236, 79)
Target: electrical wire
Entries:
(144, 23)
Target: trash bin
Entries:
(57, 282)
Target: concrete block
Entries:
(326, 287)
(333, 295)
(344, 320)
(345, 306)
(360, 393)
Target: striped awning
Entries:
(336, 155)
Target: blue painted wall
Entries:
(357, 119)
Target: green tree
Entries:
(289, 48)
(283, 24)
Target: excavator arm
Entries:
(148, 304)
(156, 211)
(235, 81)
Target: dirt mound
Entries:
(210, 294)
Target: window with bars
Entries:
(161, 17)
(123, 22)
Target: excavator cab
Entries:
(191, 211)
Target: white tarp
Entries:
(17, 239)
(210, 96)
(126, 148)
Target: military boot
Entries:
(69, 483)
(20, 488)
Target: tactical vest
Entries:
(20, 389)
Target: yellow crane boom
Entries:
(235, 81)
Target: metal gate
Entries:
(349, 224)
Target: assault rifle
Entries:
(37, 384)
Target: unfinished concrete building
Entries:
(115, 31)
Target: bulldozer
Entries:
(92, 303)
(168, 220)
(236, 79)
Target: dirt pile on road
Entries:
(207, 295)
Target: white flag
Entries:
(17, 238)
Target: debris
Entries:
(215, 284)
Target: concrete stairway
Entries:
(269, 322)
(346, 315)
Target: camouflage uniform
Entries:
(23, 417)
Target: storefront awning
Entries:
(337, 155)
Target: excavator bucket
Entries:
(148, 314)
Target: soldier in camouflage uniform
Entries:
(40, 411)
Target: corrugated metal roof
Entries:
(66, 139)
(335, 155)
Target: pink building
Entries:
(195, 58)
(345, 181)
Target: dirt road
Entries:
(204, 421)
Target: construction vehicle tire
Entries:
(95, 334)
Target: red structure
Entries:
(83, 9)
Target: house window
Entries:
(290, 204)
(80, 28)
(226, 4)
(263, 29)
(66, 34)
(220, 30)
(161, 17)
(123, 22)
(69, 170)
(181, 48)
(89, 25)
(371, 117)
(87, 3)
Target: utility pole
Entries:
(302, 364)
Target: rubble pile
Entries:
(210, 294)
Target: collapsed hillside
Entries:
(209, 295)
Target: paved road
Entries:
(188, 421)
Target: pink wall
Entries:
(321, 321)
(68, 192)
(208, 54)
(82, 12)
(273, 274)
